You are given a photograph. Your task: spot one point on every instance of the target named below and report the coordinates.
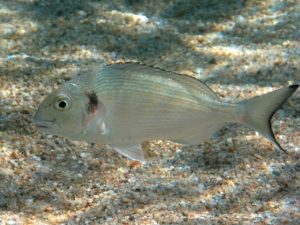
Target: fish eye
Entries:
(62, 103)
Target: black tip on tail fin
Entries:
(273, 139)
(260, 110)
(294, 87)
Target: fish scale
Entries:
(136, 90)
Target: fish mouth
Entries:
(43, 123)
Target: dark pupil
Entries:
(62, 104)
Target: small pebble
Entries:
(11, 222)
(201, 188)
(9, 31)
(82, 13)
(240, 20)
(83, 154)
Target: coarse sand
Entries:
(240, 48)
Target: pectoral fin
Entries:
(93, 115)
(131, 151)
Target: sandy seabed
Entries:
(239, 48)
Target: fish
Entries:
(123, 105)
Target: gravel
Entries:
(239, 48)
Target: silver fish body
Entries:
(123, 105)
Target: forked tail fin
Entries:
(259, 111)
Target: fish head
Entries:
(68, 111)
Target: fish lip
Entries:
(43, 123)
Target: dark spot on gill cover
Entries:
(93, 101)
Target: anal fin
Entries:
(131, 151)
